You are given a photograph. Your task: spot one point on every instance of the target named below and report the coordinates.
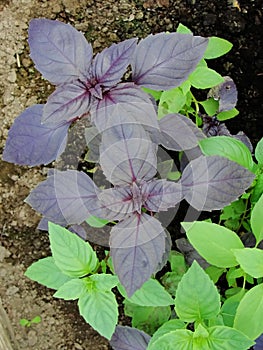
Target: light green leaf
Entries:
(217, 47)
(258, 189)
(183, 29)
(204, 78)
(104, 282)
(72, 289)
(100, 310)
(152, 293)
(94, 221)
(147, 318)
(251, 261)
(227, 114)
(180, 339)
(46, 272)
(214, 272)
(210, 106)
(229, 148)
(222, 337)
(259, 151)
(173, 100)
(174, 175)
(177, 262)
(256, 220)
(167, 327)
(185, 87)
(196, 297)
(213, 242)
(229, 308)
(73, 256)
(155, 94)
(249, 313)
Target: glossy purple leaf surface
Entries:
(66, 103)
(211, 183)
(137, 248)
(109, 65)
(179, 133)
(165, 60)
(129, 100)
(31, 143)
(126, 153)
(127, 338)
(59, 51)
(161, 194)
(66, 197)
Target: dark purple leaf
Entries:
(137, 248)
(190, 253)
(179, 133)
(211, 183)
(126, 154)
(59, 51)
(127, 338)
(99, 236)
(31, 143)
(226, 93)
(161, 194)
(66, 197)
(110, 64)
(129, 100)
(43, 224)
(66, 103)
(213, 127)
(118, 201)
(259, 343)
(164, 61)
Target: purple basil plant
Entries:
(92, 87)
(127, 134)
(139, 243)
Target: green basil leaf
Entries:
(180, 339)
(217, 47)
(256, 220)
(94, 221)
(225, 115)
(213, 242)
(46, 272)
(229, 148)
(259, 151)
(73, 256)
(196, 297)
(72, 289)
(204, 78)
(222, 337)
(249, 313)
(251, 261)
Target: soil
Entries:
(103, 23)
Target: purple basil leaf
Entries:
(110, 64)
(190, 253)
(93, 140)
(189, 155)
(43, 224)
(127, 338)
(137, 247)
(259, 343)
(59, 51)
(179, 133)
(31, 143)
(166, 254)
(211, 183)
(161, 194)
(118, 201)
(126, 153)
(127, 99)
(66, 103)
(226, 93)
(164, 61)
(213, 127)
(66, 197)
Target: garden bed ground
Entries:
(103, 22)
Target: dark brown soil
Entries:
(103, 22)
